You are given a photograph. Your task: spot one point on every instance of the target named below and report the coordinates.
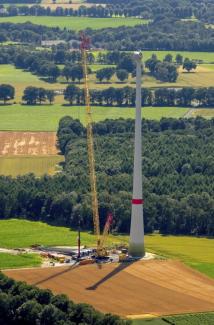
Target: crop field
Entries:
(196, 252)
(75, 23)
(28, 143)
(201, 77)
(144, 287)
(192, 319)
(39, 165)
(46, 117)
(20, 260)
(205, 112)
(186, 319)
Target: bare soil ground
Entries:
(144, 287)
(27, 143)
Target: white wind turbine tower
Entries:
(136, 242)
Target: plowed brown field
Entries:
(144, 287)
(27, 143)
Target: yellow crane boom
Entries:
(90, 143)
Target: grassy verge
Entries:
(8, 261)
(46, 117)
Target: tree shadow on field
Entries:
(119, 268)
(74, 266)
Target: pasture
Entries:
(196, 252)
(20, 260)
(39, 165)
(46, 117)
(75, 23)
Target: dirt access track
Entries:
(27, 143)
(144, 287)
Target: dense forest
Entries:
(25, 304)
(163, 34)
(178, 178)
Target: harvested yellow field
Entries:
(144, 287)
(28, 143)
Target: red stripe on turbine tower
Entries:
(137, 201)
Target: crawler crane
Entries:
(84, 47)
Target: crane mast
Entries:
(84, 46)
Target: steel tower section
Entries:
(136, 242)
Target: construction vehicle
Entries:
(101, 252)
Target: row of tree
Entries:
(21, 303)
(7, 92)
(37, 10)
(126, 96)
(154, 9)
(178, 178)
(111, 96)
(132, 8)
(34, 95)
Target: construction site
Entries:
(102, 254)
(125, 280)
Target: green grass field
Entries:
(21, 79)
(75, 23)
(202, 77)
(95, 67)
(8, 261)
(14, 166)
(196, 252)
(46, 118)
(16, 233)
(207, 57)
